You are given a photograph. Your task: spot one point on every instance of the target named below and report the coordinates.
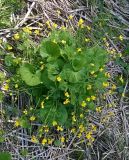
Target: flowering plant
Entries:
(62, 76)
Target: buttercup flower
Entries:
(34, 139)
(44, 141)
(58, 78)
(32, 118)
(16, 36)
(62, 139)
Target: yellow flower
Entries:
(81, 128)
(16, 85)
(79, 49)
(70, 17)
(81, 115)
(44, 141)
(87, 40)
(92, 72)
(66, 101)
(17, 123)
(120, 54)
(32, 118)
(54, 41)
(89, 135)
(54, 123)
(104, 39)
(9, 47)
(92, 64)
(63, 28)
(88, 99)
(47, 98)
(62, 139)
(94, 128)
(89, 87)
(42, 104)
(34, 139)
(93, 98)
(98, 109)
(73, 130)
(50, 141)
(101, 69)
(25, 112)
(37, 32)
(123, 95)
(27, 30)
(16, 36)
(79, 135)
(5, 87)
(121, 38)
(83, 104)
(105, 84)
(80, 22)
(48, 24)
(55, 25)
(67, 94)
(74, 118)
(46, 129)
(63, 42)
(58, 79)
(88, 27)
(59, 128)
(107, 75)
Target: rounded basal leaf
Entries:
(49, 48)
(28, 76)
(52, 49)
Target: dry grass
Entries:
(112, 137)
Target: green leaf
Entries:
(1, 96)
(78, 62)
(50, 113)
(5, 156)
(57, 143)
(71, 76)
(46, 81)
(31, 79)
(67, 37)
(61, 115)
(2, 139)
(53, 70)
(91, 106)
(49, 48)
(24, 122)
(46, 115)
(8, 60)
